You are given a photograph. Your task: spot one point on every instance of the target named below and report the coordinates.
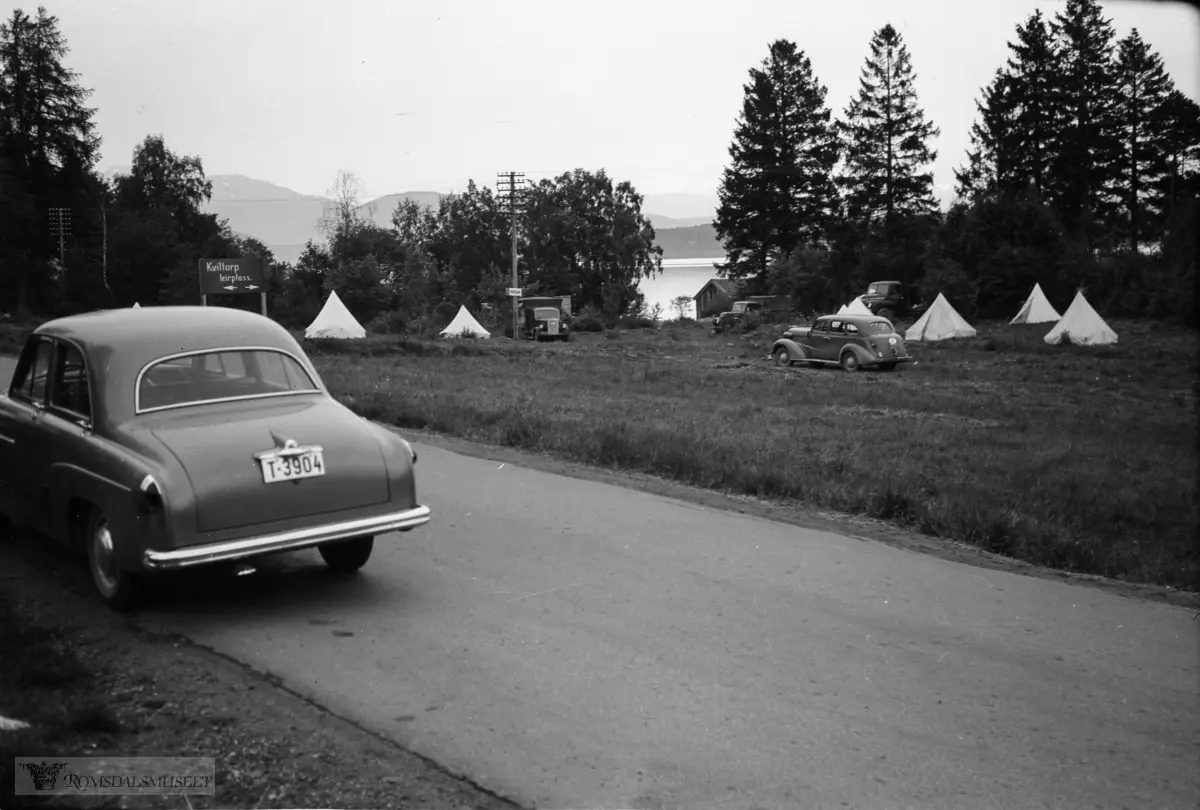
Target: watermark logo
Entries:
(43, 775)
(116, 776)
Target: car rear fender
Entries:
(73, 488)
(795, 351)
(401, 459)
(863, 355)
(112, 484)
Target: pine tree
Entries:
(1037, 120)
(886, 138)
(991, 162)
(1143, 87)
(1085, 159)
(1177, 121)
(778, 192)
(47, 141)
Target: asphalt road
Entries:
(574, 644)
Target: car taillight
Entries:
(151, 493)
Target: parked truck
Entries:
(734, 318)
(545, 317)
(888, 299)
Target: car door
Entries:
(21, 427)
(834, 342)
(66, 431)
(816, 339)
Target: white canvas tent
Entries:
(464, 321)
(334, 321)
(1082, 325)
(136, 305)
(1036, 309)
(855, 307)
(940, 322)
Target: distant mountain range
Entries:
(284, 220)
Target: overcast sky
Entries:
(424, 96)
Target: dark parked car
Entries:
(851, 341)
(161, 438)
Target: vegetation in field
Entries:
(47, 683)
(1071, 457)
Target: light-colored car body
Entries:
(162, 438)
(849, 341)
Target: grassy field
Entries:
(1076, 458)
(1071, 457)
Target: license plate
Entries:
(293, 467)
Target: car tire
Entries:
(119, 589)
(886, 312)
(850, 362)
(783, 357)
(347, 556)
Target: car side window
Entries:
(851, 329)
(33, 372)
(835, 326)
(820, 327)
(282, 372)
(70, 391)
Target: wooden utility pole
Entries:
(510, 186)
(60, 226)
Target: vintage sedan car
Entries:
(850, 341)
(161, 438)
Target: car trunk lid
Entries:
(217, 451)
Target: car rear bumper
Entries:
(284, 541)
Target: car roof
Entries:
(153, 332)
(120, 342)
(853, 316)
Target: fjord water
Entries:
(678, 277)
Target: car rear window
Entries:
(220, 375)
(880, 327)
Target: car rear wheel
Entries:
(347, 556)
(783, 357)
(120, 589)
(850, 361)
(886, 312)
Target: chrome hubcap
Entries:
(103, 569)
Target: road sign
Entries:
(515, 292)
(224, 276)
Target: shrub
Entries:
(589, 320)
(636, 322)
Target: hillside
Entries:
(696, 242)
(284, 220)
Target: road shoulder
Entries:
(115, 688)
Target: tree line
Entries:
(1083, 171)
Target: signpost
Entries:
(245, 274)
(514, 292)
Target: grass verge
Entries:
(1076, 458)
